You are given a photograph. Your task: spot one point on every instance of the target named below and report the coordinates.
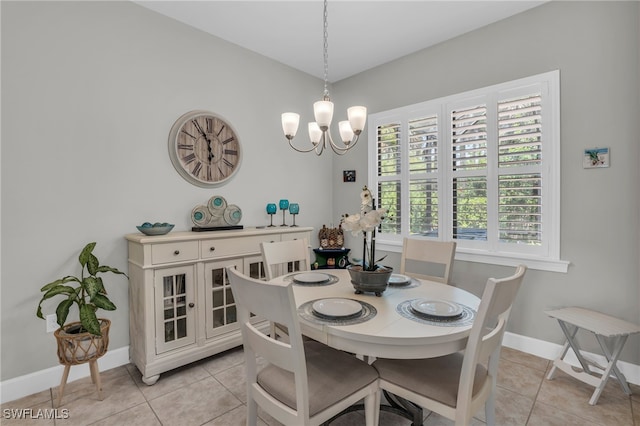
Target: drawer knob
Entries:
(177, 252)
(191, 305)
(212, 249)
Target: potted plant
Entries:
(369, 275)
(87, 338)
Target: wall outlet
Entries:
(52, 325)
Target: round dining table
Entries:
(390, 329)
(387, 326)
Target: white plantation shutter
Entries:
(388, 157)
(480, 168)
(520, 150)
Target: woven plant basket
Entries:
(78, 348)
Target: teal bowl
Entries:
(155, 230)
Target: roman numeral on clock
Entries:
(196, 169)
(189, 158)
(228, 163)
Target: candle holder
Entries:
(294, 209)
(284, 206)
(271, 210)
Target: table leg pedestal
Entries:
(397, 405)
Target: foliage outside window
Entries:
(480, 168)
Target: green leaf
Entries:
(104, 268)
(85, 253)
(62, 311)
(61, 289)
(89, 320)
(103, 302)
(92, 286)
(60, 281)
(92, 264)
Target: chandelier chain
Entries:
(326, 52)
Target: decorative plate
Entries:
(399, 279)
(311, 278)
(337, 308)
(436, 308)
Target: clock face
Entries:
(204, 148)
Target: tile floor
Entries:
(211, 392)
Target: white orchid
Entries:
(366, 223)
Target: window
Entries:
(480, 168)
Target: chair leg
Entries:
(377, 396)
(369, 409)
(490, 410)
(252, 413)
(63, 382)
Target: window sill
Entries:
(502, 259)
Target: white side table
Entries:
(602, 326)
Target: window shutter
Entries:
(520, 131)
(469, 138)
(389, 168)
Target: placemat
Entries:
(332, 280)
(306, 311)
(466, 318)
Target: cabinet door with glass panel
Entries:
(175, 302)
(220, 307)
(254, 267)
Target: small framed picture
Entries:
(595, 158)
(349, 176)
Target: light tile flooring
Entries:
(212, 392)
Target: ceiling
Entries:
(362, 34)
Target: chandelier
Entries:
(323, 112)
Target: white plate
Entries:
(436, 308)
(399, 279)
(311, 278)
(337, 308)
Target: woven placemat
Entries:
(332, 280)
(306, 311)
(466, 318)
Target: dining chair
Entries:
(457, 385)
(420, 256)
(281, 257)
(304, 382)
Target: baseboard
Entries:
(550, 351)
(39, 381)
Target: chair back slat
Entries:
(430, 255)
(281, 256)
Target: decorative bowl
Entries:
(155, 229)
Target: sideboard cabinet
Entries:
(181, 308)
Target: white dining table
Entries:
(387, 334)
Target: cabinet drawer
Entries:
(295, 236)
(174, 252)
(234, 246)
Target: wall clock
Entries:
(204, 149)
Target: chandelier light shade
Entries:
(319, 130)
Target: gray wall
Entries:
(89, 93)
(595, 45)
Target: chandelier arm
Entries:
(341, 150)
(303, 150)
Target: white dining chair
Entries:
(457, 385)
(281, 257)
(420, 256)
(304, 383)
